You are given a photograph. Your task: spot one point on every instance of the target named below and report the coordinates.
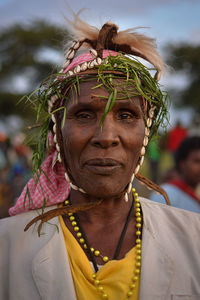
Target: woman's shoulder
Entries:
(164, 218)
(168, 210)
(14, 225)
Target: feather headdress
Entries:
(126, 41)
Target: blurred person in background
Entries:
(183, 181)
(175, 136)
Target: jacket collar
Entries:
(157, 266)
(51, 269)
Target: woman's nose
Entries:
(107, 135)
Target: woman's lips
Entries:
(103, 166)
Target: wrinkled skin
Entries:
(89, 150)
(102, 162)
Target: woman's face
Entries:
(101, 161)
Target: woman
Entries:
(182, 188)
(110, 244)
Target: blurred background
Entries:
(32, 36)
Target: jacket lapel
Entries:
(51, 269)
(157, 267)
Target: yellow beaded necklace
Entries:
(105, 259)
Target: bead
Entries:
(96, 252)
(93, 52)
(141, 160)
(57, 148)
(138, 225)
(126, 197)
(145, 142)
(138, 232)
(135, 278)
(90, 64)
(73, 186)
(105, 296)
(149, 122)
(71, 55)
(100, 288)
(79, 234)
(138, 257)
(138, 241)
(59, 158)
(137, 200)
(92, 249)
(129, 294)
(132, 178)
(138, 264)
(132, 286)
(138, 214)
(105, 258)
(82, 241)
(53, 118)
(129, 187)
(137, 204)
(99, 60)
(54, 128)
(133, 190)
(138, 219)
(66, 202)
(74, 223)
(137, 271)
(85, 246)
(96, 281)
(137, 169)
(147, 131)
(70, 73)
(84, 66)
(77, 69)
(135, 194)
(137, 209)
(138, 246)
(94, 275)
(67, 177)
(72, 218)
(76, 228)
(54, 98)
(138, 251)
(142, 152)
(151, 113)
(70, 214)
(76, 45)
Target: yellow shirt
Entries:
(115, 276)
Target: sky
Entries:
(169, 21)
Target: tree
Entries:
(21, 48)
(186, 58)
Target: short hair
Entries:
(188, 145)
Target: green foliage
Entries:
(20, 49)
(186, 58)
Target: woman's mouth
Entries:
(103, 166)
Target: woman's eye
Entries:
(126, 115)
(84, 115)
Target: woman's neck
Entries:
(110, 210)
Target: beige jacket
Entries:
(38, 268)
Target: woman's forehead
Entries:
(91, 92)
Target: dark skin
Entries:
(101, 162)
(190, 169)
